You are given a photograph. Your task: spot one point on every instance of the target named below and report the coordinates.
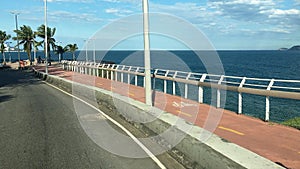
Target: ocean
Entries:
(256, 64)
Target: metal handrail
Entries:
(257, 86)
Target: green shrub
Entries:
(294, 122)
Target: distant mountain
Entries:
(296, 47)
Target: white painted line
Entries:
(147, 151)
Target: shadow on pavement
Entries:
(5, 98)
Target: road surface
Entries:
(39, 129)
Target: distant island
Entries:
(296, 47)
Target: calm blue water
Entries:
(258, 64)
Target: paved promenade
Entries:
(278, 143)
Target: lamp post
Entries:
(86, 51)
(94, 52)
(148, 91)
(46, 37)
(18, 45)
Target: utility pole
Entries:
(86, 50)
(46, 36)
(148, 91)
(18, 45)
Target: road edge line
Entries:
(136, 140)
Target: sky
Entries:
(225, 24)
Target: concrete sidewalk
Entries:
(278, 143)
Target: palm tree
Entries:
(60, 51)
(50, 40)
(3, 37)
(27, 38)
(72, 48)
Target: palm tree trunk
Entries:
(4, 61)
(29, 57)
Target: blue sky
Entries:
(227, 24)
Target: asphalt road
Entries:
(39, 129)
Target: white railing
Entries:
(289, 89)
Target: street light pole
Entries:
(94, 54)
(18, 45)
(86, 52)
(148, 91)
(46, 36)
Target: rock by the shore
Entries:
(281, 49)
(297, 47)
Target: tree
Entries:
(27, 39)
(72, 48)
(60, 51)
(50, 40)
(3, 37)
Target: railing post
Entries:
(107, 71)
(186, 88)
(135, 77)
(267, 116)
(128, 75)
(154, 73)
(94, 69)
(200, 89)
(111, 75)
(97, 70)
(90, 69)
(122, 74)
(219, 92)
(165, 82)
(116, 73)
(112, 71)
(102, 70)
(85, 68)
(76, 67)
(174, 85)
(240, 105)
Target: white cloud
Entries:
(190, 11)
(112, 10)
(279, 12)
(76, 1)
(118, 12)
(276, 30)
(69, 16)
(297, 2)
(124, 1)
